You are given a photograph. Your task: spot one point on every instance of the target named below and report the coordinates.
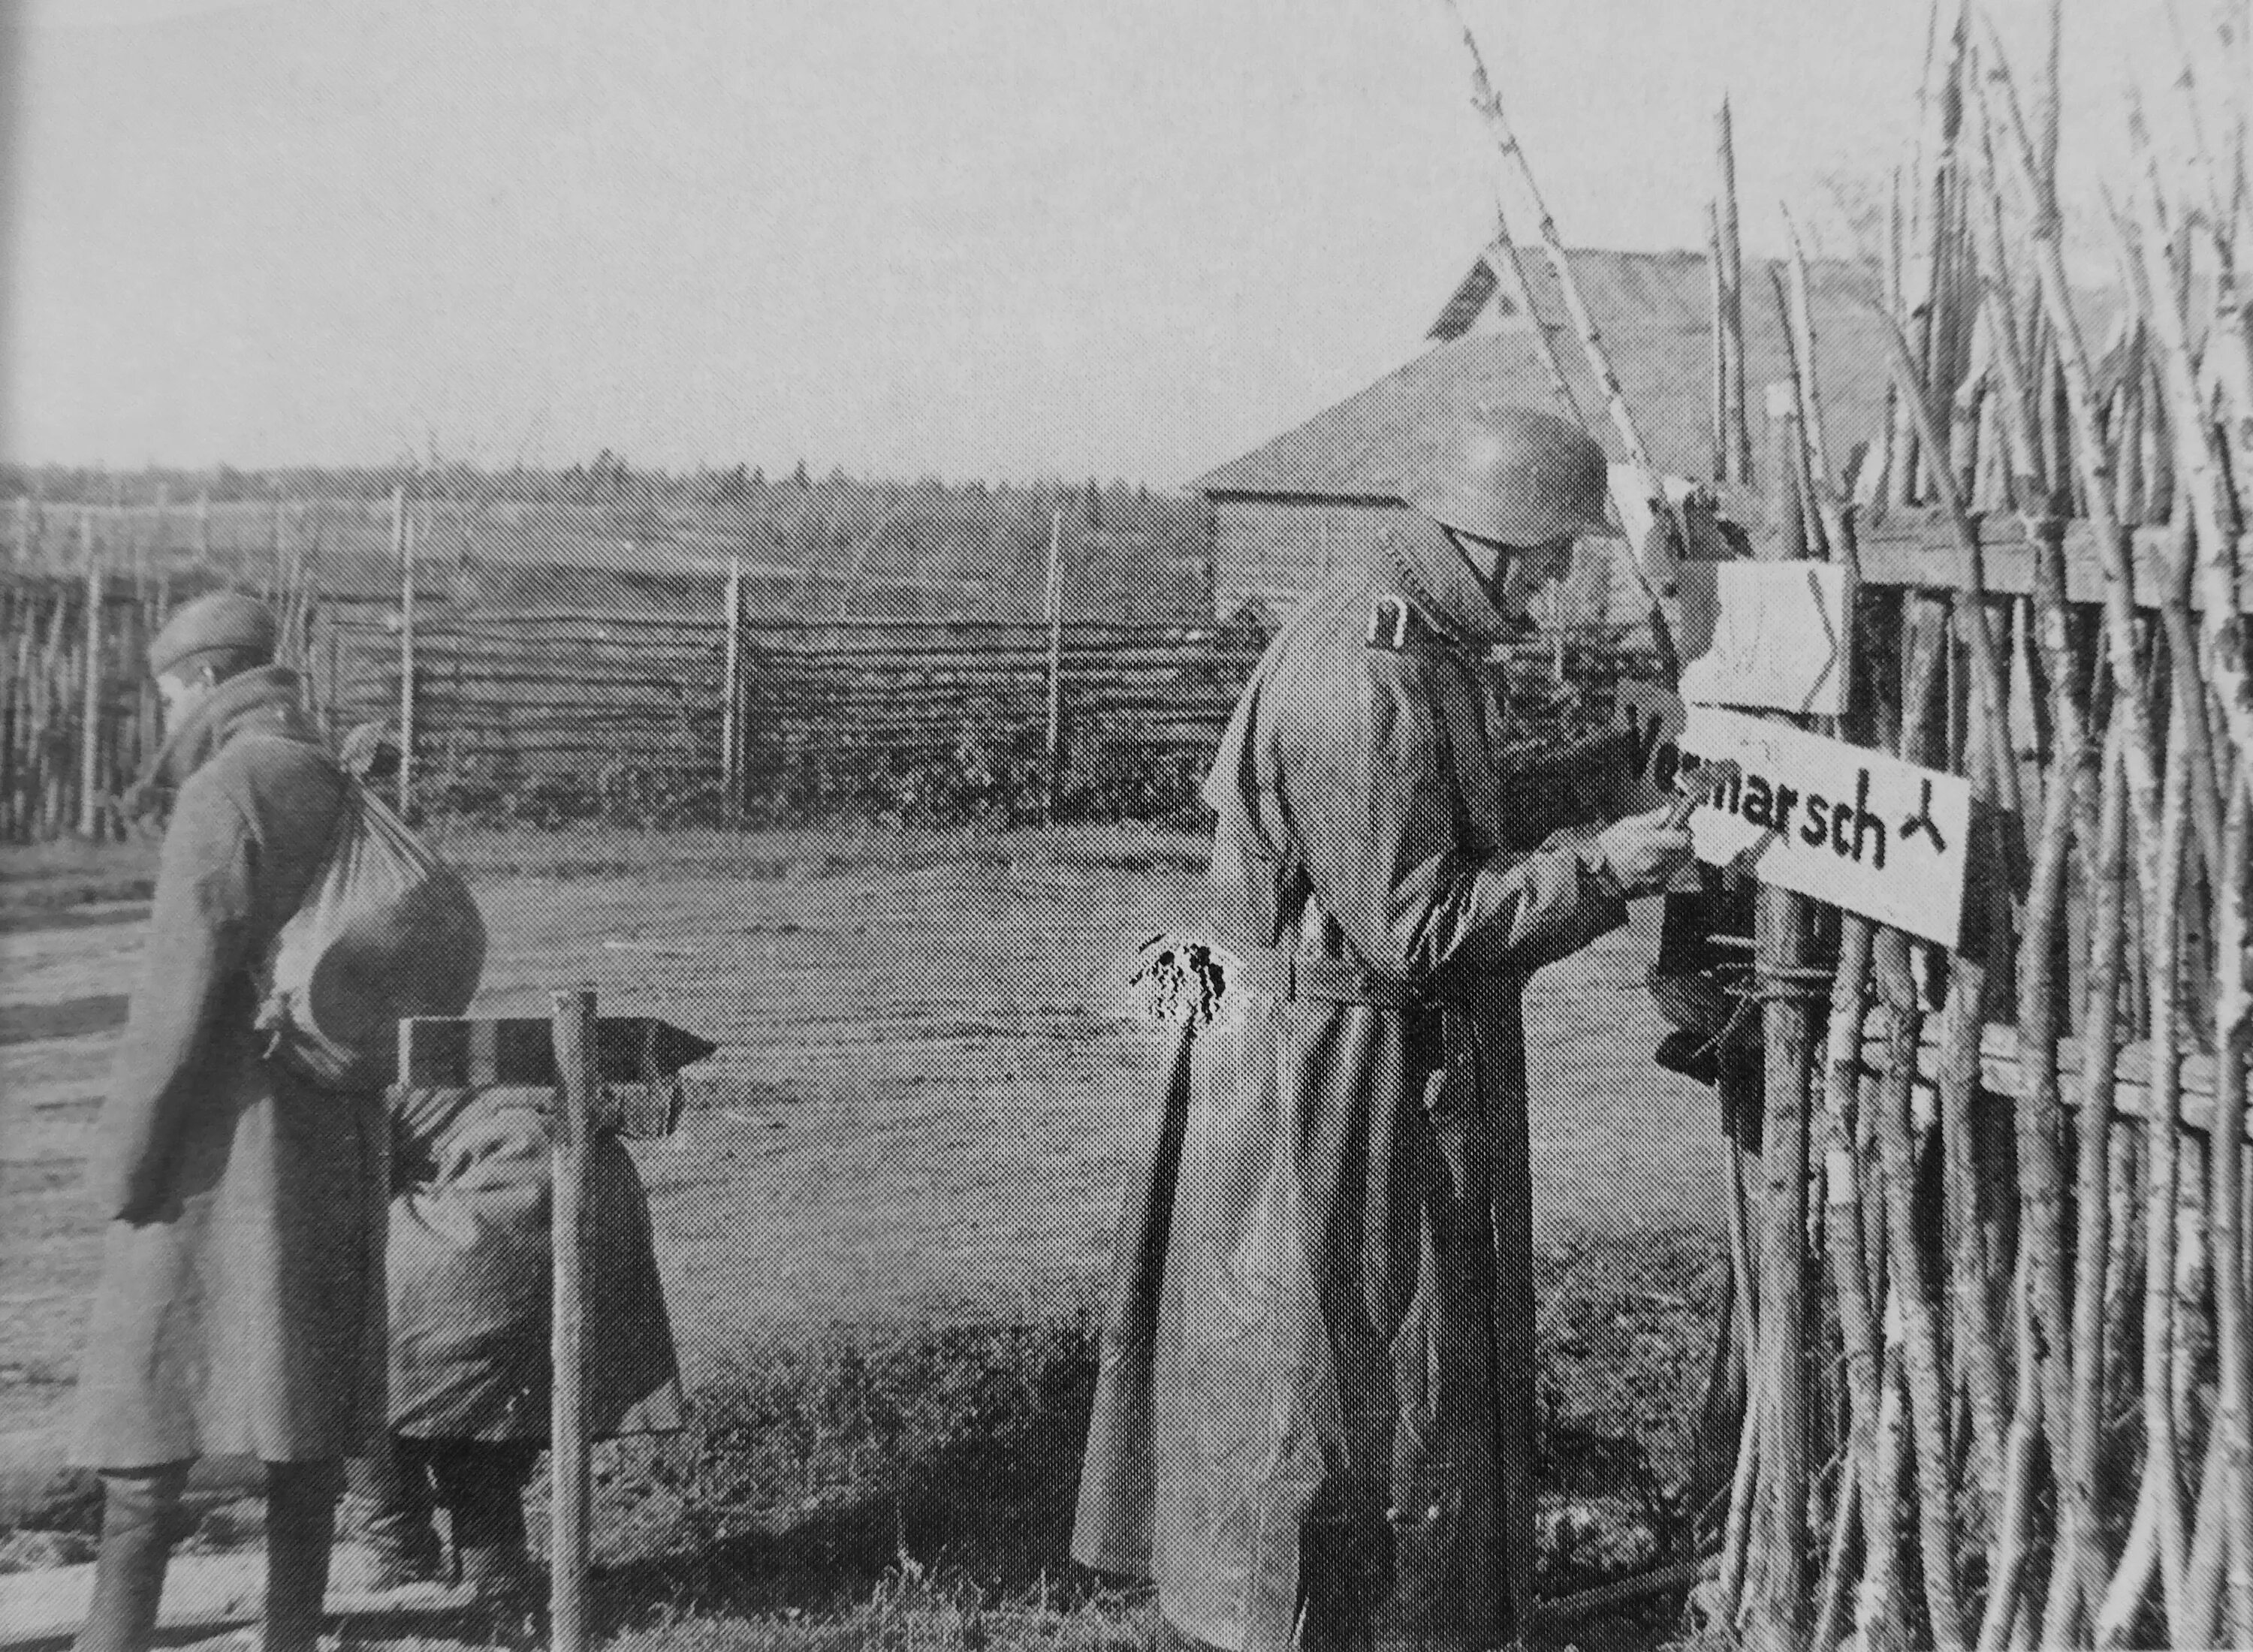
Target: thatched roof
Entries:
(1652, 309)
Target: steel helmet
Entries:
(1513, 476)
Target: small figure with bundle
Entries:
(470, 1272)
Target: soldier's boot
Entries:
(140, 1515)
(301, 1516)
(390, 1495)
(500, 1580)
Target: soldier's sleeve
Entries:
(199, 936)
(1583, 784)
(1374, 810)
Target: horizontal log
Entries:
(2001, 1075)
(1920, 553)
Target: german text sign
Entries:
(1764, 634)
(1856, 829)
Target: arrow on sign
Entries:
(445, 1052)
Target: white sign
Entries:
(1853, 827)
(1764, 634)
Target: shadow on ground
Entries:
(71, 1018)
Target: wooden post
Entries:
(1733, 304)
(574, 1030)
(89, 775)
(402, 541)
(1788, 985)
(329, 673)
(731, 701)
(1722, 440)
(1055, 748)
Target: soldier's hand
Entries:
(1644, 852)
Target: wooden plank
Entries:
(450, 1051)
(1920, 551)
(2002, 1079)
(1763, 634)
(1856, 829)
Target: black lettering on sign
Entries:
(1816, 826)
(1922, 821)
(1867, 822)
(1785, 796)
(1758, 804)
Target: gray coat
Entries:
(471, 1275)
(240, 1310)
(1314, 1412)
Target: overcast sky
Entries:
(973, 237)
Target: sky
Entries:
(999, 238)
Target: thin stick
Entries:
(1488, 104)
(731, 697)
(2233, 1349)
(402, 541)
(2007, 1556)
(2080, 1551)
(89, 784)
(2162, 1462)
(575, 1031)
(1735, 393)
(1844, 1524)
(1503, 254)
(2095, 460)
(1787, 411)
(2201, 478)
(1986, 658)
(1054, 746)
(1921, 1341)
(1961, 1020)
(1723, 440)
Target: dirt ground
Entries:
(928, 1079)
(930, 1075)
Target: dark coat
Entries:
(240, 1305)
(470, 1283)
(1322, 1330)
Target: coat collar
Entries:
(1447, 588)
(265, 697)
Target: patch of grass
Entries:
(73, 872)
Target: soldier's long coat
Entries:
(1313, 1359)
(240, 1304)
(470, 1277)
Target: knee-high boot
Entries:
(139, 1513)
(300, 1517)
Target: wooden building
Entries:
(1289, 511)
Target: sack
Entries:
(387, 930)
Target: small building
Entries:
(1285, 512)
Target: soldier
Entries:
(239, 1307)
(1315, 1429)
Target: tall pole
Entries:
(1738, 420)
(89, 784)
(402, 541)
(574, 1033)
(1788, 986)
(731, 701)
(1504, 255)
(1487, 101)
(1055, 611)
